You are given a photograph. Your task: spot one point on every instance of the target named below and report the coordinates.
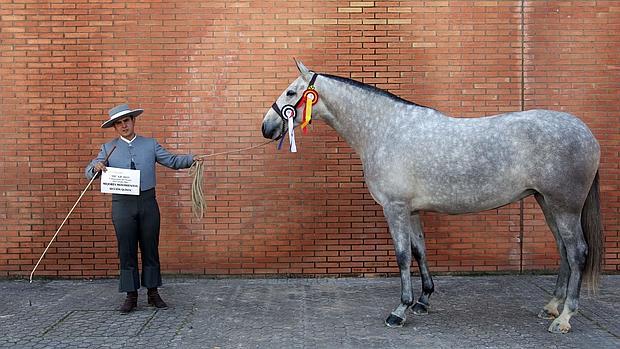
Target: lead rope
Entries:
(199, 204)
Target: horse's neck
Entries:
(362, 117)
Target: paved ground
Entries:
(467, 312)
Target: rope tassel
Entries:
(199, 204)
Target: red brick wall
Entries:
(206, 72)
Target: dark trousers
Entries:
(136, 221)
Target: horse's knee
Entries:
(403, 258)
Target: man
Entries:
(136, 217)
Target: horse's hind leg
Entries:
(419, 252)
(569, 226)
(550, 310)
(399, 222)
(569, 230)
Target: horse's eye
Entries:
(290, 93)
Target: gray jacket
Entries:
(144, 152)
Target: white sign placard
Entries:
(120, 181)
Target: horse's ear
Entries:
(301, 67)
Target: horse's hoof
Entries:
(545, 314)
(394, 321)
(559, 327)
(420, 309)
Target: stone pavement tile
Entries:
(466, 312)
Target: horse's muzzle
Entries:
(270, 129)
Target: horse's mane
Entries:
(371, 89)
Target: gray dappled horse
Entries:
(417, 159)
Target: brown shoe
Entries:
(131, 302)
(155, 300)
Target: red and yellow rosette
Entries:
(311, 97)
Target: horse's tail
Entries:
(592, 227)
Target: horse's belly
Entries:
(458, 202)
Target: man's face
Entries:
(124, 127)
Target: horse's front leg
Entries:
(419, 252)
(398, 218)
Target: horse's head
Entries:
(288, 105)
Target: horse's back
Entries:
(546, 136)
(534, 133)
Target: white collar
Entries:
(129, 141)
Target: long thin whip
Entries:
(67, 217)
(196, 171)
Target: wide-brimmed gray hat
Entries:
(118, 112)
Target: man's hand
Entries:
(100, 166)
